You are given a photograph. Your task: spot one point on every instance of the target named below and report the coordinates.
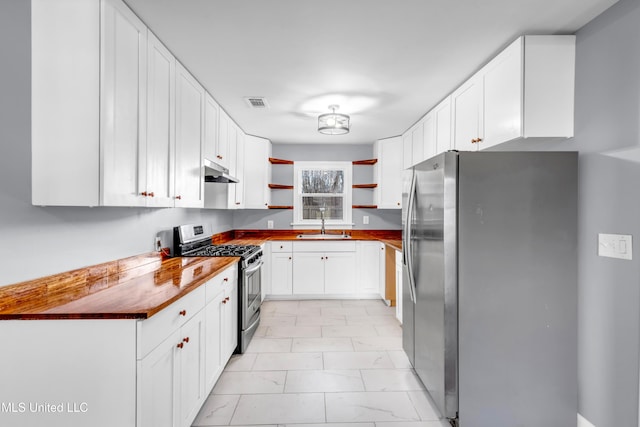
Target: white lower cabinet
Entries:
(399, 286)
(175, 377)
(339, 273)
(368, 265)
(308, 273)
(324, 268)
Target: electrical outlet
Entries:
(158, 244)
(615, 246)
(270, 224)
(365, 219)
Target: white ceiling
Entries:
(385, 62)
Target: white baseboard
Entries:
(583, 422)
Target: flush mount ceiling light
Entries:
(333, 123)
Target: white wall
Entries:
(38, 241)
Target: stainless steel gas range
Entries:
(195, 241)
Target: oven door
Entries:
(251, 293)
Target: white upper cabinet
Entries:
(407, 150)
(211, 129)
(189, 140)
(160, 160)
(257, 171)
(417, 142)
(239, 171)
(442, 124)
(466, 104)
(429, 136)
(527, 91)
(388, 172)
(223, 139)
(123, 106)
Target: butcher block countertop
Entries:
(140, 286)
(131, 288)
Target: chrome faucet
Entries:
(322, 230)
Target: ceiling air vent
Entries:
(256, 102)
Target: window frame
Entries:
(330, 224)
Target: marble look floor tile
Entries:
(321, 321)
(399, 359)
(344, 311)
(320, 303)
(391, 380)
(321, 344)
(377, 343)
(261, 331)
(349, 331)
(424, 405)
(277, 320)
(287, 361)
(363, 303)
(294, 332)
(372, 320)
(370, 406)
(443, 423)
(389, 330)
(323, 381)
(299, 311)
(381, 311)
(331, 425)
(217, 410)
(253, 382)
(241, 362)
(269, 345)
(290, 408)
(357, 360)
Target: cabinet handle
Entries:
(289, 257)
(237, 203)
(219, 156)
(398, 203)
(281, 247)
(185, 339)
(151, 194)
(183, 312)
(475, 140)
(226, 279)
(144, 193)
(178, 197)
(180, 345)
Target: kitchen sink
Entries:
(327, 236)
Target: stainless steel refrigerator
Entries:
(490, 286)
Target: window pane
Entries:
(332, 207)
(322, 181)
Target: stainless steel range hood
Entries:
(214, 172)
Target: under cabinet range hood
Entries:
(214, 172)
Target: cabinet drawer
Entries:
(154, 330)
(281, 247)
(214, 286)
(324, 246)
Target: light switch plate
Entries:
(615, 246)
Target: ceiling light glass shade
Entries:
(333, 123)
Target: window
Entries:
(322, 189)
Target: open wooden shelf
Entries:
(281, 187)
(365, 185)
(365, 162)
(280, 207)
(365, 206)
(274, 161)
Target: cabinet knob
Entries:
(144, 193)
(289, 257)
(476, 140)
(178, 197)
(183, 312)
(398, 203)
(219, 156)
(151, 194)
(226, 279)
(185, 339)
(180, 345)
(281, 247)
(237, 203)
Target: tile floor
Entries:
(321, 363)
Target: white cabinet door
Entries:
(213, 338)
(238, 200)
(308, 273)
(442, 121)
(467, 114)
(429, 138)
(417, 143)
(191, 392)
(503, 96)
(281, 273)
(189, 139)
(224, 149)
(256, 172)
(230, 316)
(389, 173)
(340, 273)
(211, 132)
(123, 48)
(399, 286)
(157, 378)
(407, 150)
(160, 159)
(368, 264)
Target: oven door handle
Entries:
(252, 269)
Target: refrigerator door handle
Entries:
(406, 235)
